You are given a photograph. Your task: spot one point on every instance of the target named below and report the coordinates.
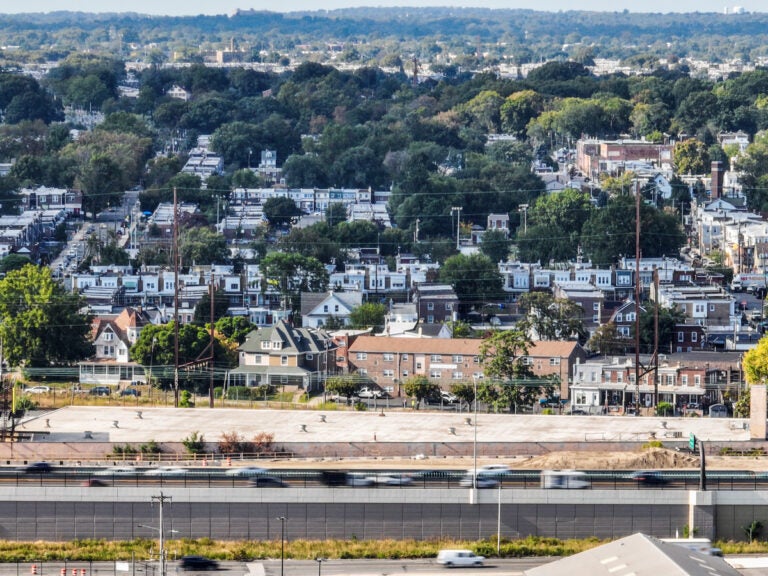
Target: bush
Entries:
(263, 442)
(150, 447)
(664, 409)
(185, 400)
(194, 443)
(653, 444)
(232, 443)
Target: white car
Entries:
(118, 471)
(359, 480)
(245, 471)
(393, 479)
(492, 470)
(369, 393)
(38, 390)
(167, 471)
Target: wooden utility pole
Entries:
(175, 299)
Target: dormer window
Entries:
(276, 345)
(265, 345)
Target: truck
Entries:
(748, 282)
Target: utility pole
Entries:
(175, 299)
(210, 383)
(457, 209)
(524, 209)
(638, 294)
(161, 500)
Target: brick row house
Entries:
(390, 361)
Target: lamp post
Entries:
(474, 445)
(161, 500)
(151, 361)
(282, 545)
(319, 565)
(458, 210)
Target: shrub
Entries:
(664, 409)
(361, 406)
(150, 447)
(185, 400)
(263, 442)
(653, 444)
(232, 443)
(194, 443)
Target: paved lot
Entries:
(122, 425)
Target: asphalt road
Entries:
(364, 567)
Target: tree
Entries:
(13, 262)
(668, 319)
(756, 363)
(609, 234)
(234, 328)
(294, 273)
(606, 340)
(156, 347)
(420, 387)
(40, 322)
(345, 386)
(550, 318)
(202, 313)
(475, 278)
(202, 246)
(691, 157)
(280, 211)
(495, 245)
(367, 315)
(501, 354)
(336, 213)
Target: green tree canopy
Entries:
(420, 387)
(475, 278)
(203, 246)
(368, 315)
(550, 318)
(41, 323)
(280, 211)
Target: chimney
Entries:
(717, 180)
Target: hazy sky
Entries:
(190, 7)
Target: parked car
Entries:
(100, 391)
(459, 558)
(130, 392)
(37, 468)
(366, 392)
(38, 390)
(198, 563)
(449, 397)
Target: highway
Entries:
(403, 479)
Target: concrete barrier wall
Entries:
(116, 513)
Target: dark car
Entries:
(650, 477)
(37, 468)
(267, 482)
(198, 563)
(130, 392)
(100, 391)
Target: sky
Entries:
(194, 7)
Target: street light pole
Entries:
(162, 499)
(282, 545)
(319, 565)
(458, 210)
(474, 445)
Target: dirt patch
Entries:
(654, 458)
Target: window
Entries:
(554, 361)
(430, 319)
(276, 345)
(405, 373)
(449, 306)
(388, 357)
(362, 372)
(362, 356)
(418, 365)
(696, 380)
(435, 373)
(711, 307)
(430, 305)
(694, 337)
(107, 336)
(325, 308)
(619, 377)
(405, 357)
(526, 361)
(265, 344)
(476, 359)
(457, 359)
(595, 306)
(619, 316)
(684, 380)
(283, 360)
(681, 336)
(257, 358)
(336, 308)
(478, 375)
(436, 358)
(389, 373)
(310, 356)
(341, 359)
(457, 376)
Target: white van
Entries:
(566, 479)
(459, 558)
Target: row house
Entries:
(435, 303)
(609, 385)
(585, 295)
(389, 361)
(242, 222)
(313, 200)
(286, 356)
(44, 198)
(163, 218)
(708, 306)
(21, 231)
